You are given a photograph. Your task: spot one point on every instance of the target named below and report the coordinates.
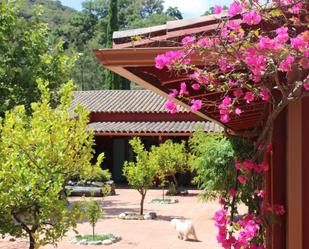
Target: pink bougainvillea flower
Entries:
(232, 83)
(196, 86)
(174, 93)
(266, 207)
(205, 42)
(171, 106)
(160, 61)
(167, 59)
(261, 194)
(282, 35)
(225, 118)
(183, 89)
(224, 32)
(238, 165)
(238, 111)
(261, 167)
(221, 217)
(306, 86)
(234, 9)
(265, 94)
(188, 40)
(242, 179)
(296, 8)
(223, 64)
(298, 42)
(232, 192)
(227, 101)
(217, 9)
(200, 76)
(249, 97)
(257, 64)
(233, 25)
(251, 18)
(196, 105)
(222, 201)
(278, 209)
(238, 92)
(286, 65)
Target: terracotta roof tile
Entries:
(123, 101)
(153, 127)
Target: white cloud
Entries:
(194, 8)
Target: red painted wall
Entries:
(305, 169)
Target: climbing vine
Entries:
(258, 53)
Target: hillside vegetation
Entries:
(82, 31)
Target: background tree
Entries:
(38, 155)
(112, 80)
(171, 159)
(174, 12)
(25, 55)
(85, 30)
(93, 213)
(140, 174)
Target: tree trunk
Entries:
(175, 181)
(31, 241)
(163, 192)
(93, 231)
(142, 204)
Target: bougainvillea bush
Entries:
(258, 53)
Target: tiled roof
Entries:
(123, 101)
(153, 127)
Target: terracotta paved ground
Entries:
(155, 234)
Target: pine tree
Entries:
(112, 80)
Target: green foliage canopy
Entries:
(140, 174)
(83, 31)
(171, 158)
(25, 55)
(213, 160)
(38, 154)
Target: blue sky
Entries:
(189, 8)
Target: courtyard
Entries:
(146, 234)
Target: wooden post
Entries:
(294, 176)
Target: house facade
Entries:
(118, 115)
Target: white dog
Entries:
(184, 228)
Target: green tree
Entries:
(112, 80)
(213, 159)
(93, 212)
(171, 158)
(38, 155)
(25, 55)
(86, 30)
(140, 174)
(174, 12)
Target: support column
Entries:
(305, 171)
(276, 181)
(294, 176)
